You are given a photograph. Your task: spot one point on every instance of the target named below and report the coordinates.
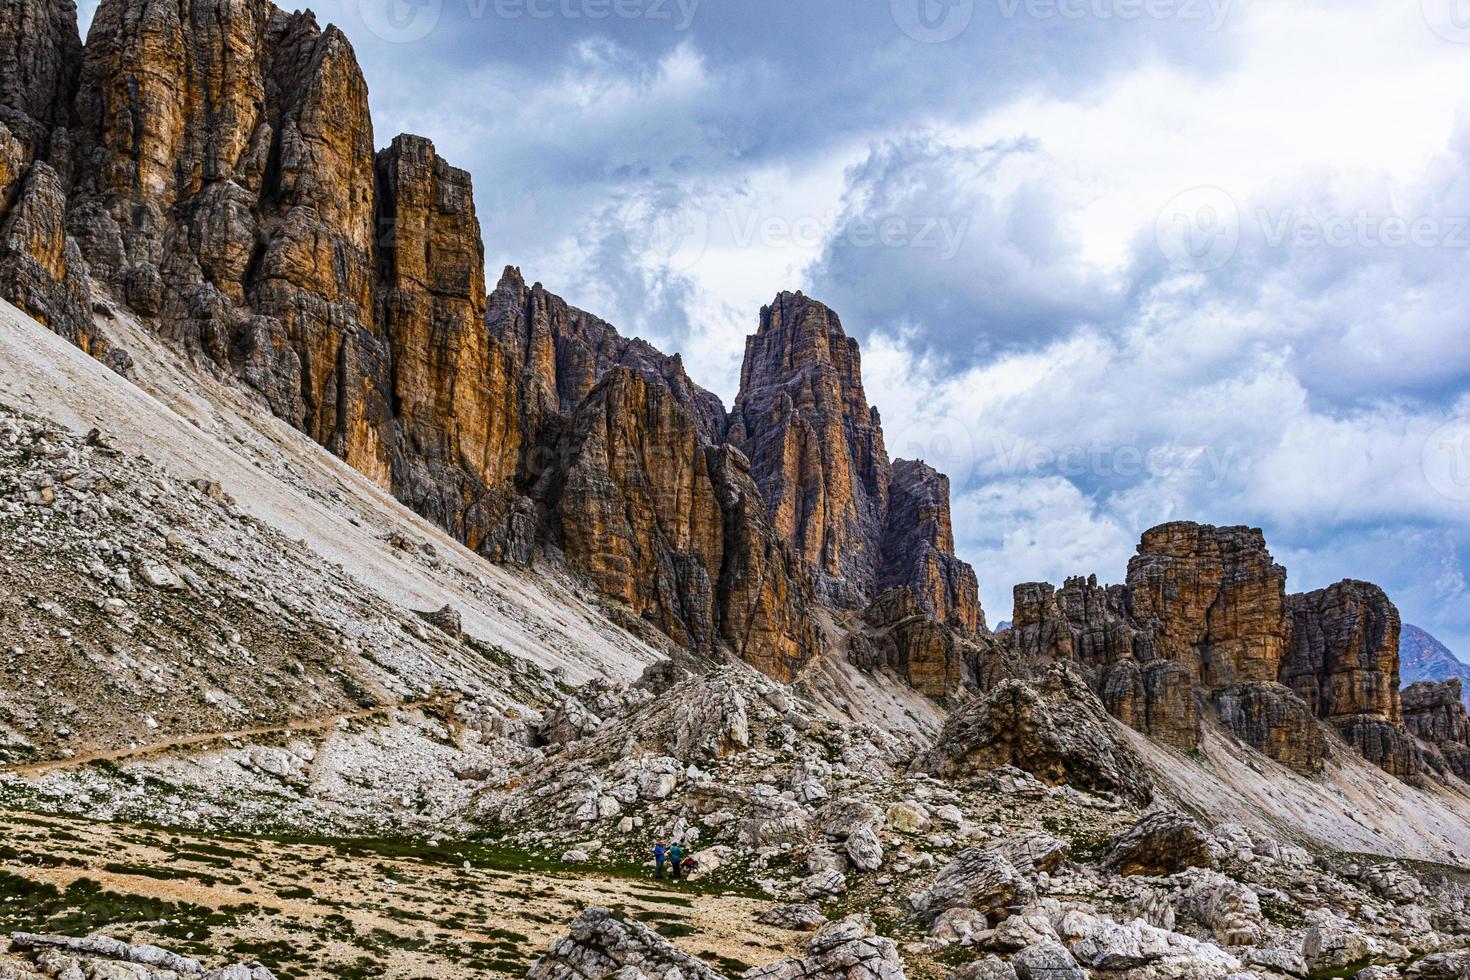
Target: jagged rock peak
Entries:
(1204, 618)
(918, 547)
(564, 352)
(1213, 598)
(859, 524)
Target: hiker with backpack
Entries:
(677, 853)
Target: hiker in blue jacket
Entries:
(660, 855)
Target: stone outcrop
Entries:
(1274, 721)
(1204, 619)
(1160, 843)
(1343, 661)
(858, 522)
(976, 879)
(930, 656)
(846, 948)
(1212, 599)
(1435, 711)
(1054, 728)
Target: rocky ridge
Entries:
(1204, 621)
(212, 170)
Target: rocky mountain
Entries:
(1424, 658)
(311, 533)
(215, 174)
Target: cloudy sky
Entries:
(1113, 262)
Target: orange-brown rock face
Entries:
(815, 446)
(1213, 600)
(41, 269)
(226, 187)
(918, 547)
(1435, 713)
(1205, 618)
(672, 529)
(1343, 661)
(38, 75)
(1344, 652)
(929, 656)
(563, 352)
(1089, 624)
(859, 523)
(764, 598)
(637, 509)
(454, 387)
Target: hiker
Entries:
(677, 855)
(660, 855)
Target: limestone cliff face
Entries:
(41, 269)
(1343, 661)
(858, 522)
(1344, 652)
(40, 59)
(1434, 711)
(211, 164)
(1091, 625)
(673, 530)
(225, 186)
(1213, 600)
(815, 445)
(918, 547)
(562, 353)
(456, 402)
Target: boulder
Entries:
(1160, 843)
(976, 879)
(1046, 961)
(846, 948)
(601, 945)
(1055, 728)
(798, 916)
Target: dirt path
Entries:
(314, 724)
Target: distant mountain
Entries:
(1423, 658)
